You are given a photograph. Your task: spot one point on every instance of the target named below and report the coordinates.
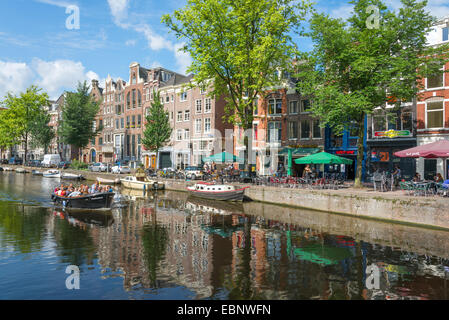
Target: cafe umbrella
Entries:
(223, 157)
(323, 158)
(435, 150)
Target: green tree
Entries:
(357, 66)
(42, 134)
(241, 45)
(9, 135)
(78, 116)
(22, 111)
(157, 129)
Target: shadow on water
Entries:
(168, 245)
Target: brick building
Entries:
(433, 109)
(282, 121)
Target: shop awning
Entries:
(223, 158)
(302, 152)
(439, 149)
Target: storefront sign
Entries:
(392, 134)
(348, 152)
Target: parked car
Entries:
(98, 167)
(34, 163)
(15, 160)
(4, 161)
(64, 165)
(51, 160)
(193, 173)
(121, 169)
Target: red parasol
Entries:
(439, 149)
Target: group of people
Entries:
(71, 191)
(438, 178)
(210, 168)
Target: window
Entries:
(198, 105)
(207, 105)
(127, 122)
(435, 114)
(179, 116)
(139, 120)
(255, 134)
(171, 115)
(198, 125)
(274, 107)
(292, 130)
(183, 96)
(305, 106)
(274, 131)
(122, 122)
(436, 81)
(139, 139)
(100, 141)
(256, 106)
(407, 121)
(293, 107)
(207, 125)
(167, 99)
(187, 115)
(187, 134)
(178, 135)
(147, 96)
(316, 129)
(305, 129)
(117, 124)
(128, 103)
(446, 34)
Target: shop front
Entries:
(288, 155)
(381, 156)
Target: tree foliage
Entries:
(157, 129)
(18, 121)
(355, 69)
(42, 134)
(239, 45)
(78, 116)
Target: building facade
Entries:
(282, 121)
(433, 109)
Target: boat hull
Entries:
(71, 177)
(94, 201)
(55, 176)
(143, 186)
(108, 181)
(235, 195)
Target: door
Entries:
(165, 161)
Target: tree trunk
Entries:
(360, 153)
(26, 149)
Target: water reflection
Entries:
(170, 246)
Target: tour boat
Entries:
(52, 174)
(131, 182)
(217, 192)
(108, 181)
(71, 176)
(91, 201)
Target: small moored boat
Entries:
(131, 182)
(217, 192)
(91, 201)
(52, 174)
(37, 173)
(71, 176)
(108, 181)
(7, 169)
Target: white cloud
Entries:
(61, 4)
(119, 11)
(130, 43)
(155, 41)
(14, 77)
(52, 76)
(183, 59)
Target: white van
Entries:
(51, 160)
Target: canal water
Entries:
(170, 246)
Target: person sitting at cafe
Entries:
(307, 171)
(439, 178)
(417, 177)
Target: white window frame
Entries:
(179, 116)
(444, 113)
(179, 134)
(207, 102)
(187, 115)
(187, 134)
(200, 122)
(297, 107)
(198, 103)
(207, 125)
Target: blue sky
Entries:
(37, 48)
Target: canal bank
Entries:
(430, 212)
